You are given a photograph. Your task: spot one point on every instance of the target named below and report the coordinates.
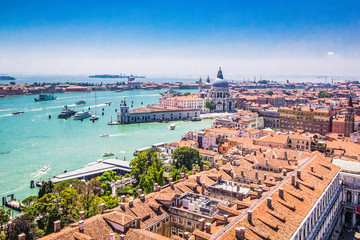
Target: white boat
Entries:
(105, 135)
(81, 115)
(94, 117)
(108, 154)
(45, 168)
(172, 127)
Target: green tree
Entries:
(324, 94)
(29, 200)
(287, 92)
(47, 187)
(269, 93)
(186, 94)
(110, 201)
(106, 178)
(187, 157)
(4, 218)
(20, 224)
(209, 105)
(207, 164)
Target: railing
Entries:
(320, 221)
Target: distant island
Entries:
(115, 76)
(7, 78)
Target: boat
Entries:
(81, 102)
(45, 97)
(172, 127)
(66, 113)
(195, 119)
(119, 90)
(105, 135)
(18, 112)
(14, 204)
(94, 117)
(82, 115)
(108, 103)
(108, 154)
(45, 168)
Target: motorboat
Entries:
(108, 103)
(66, 113)
(82, 115)
(18, 112)
(45, 97)
(109, 154)
(94, 117)
(45, 168)
(81, 102)
(105, 135)
(172, 127)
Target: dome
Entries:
(220, 83)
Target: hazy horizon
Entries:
(180, 39)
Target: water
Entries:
(31, 140)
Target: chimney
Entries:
(284, 172)
(186, 176)
(170, 180)
(206, 168)
(256, 175)
(224, 161)
(240, 233)
(142, 197)
(250, 216)
(158, 188)
(240, 196)
(202, 188)
(293, 180)
(312, 168)
(198, 179)
(268, 202)
(226, 218)
(186, 235)
(259, 193)
(198, 168)
(172, 185)
(193, 171)
(81, 226)
(182, 175)
(122, 206)
(297, 184)
(285, 155)
(208, 227)
(266, 162)
(281, 193)
(265, 176)
(122, 237)
(139, 192)
(298, 173)
(255, 153)
(102, 208)
(123, 198)
(155, 187)
(112, 236)
(201, 224)
(57, 226)
(22, 236)
(242, 173)
(219, 179)
(264, 155)
(217, 166)
(82, 215)
(131, 203)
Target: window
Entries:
(348, 197)
(173, 219)
(189, 224)
(181, 221)
(151, 229)
(173, 231)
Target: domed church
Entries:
(219, 94)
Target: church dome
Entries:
(220, 83)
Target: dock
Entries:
(94, 169)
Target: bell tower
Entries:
(349, 119)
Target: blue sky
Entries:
(180, 38)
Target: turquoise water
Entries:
(31, 140)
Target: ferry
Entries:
(66, 113)
(45, 168)
(81, 102)
(172, 127)
(45, 97)
(18, 112)
(108, 154)
(81, 115)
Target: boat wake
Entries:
(122, 152)
(7, 115)
(39, 173)
(117, 135)
(4, 110)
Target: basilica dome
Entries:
(220, 83)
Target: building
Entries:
(154, 113)
(189, 101)
(271, 118)
(349, 119)
(220, 95)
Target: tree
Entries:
(187, 157)
(209, 105)
(106, 178)
(269, 93)
(4, 218)
(20, 224)
(47, 187)
(287, 92)
(207, 164)
(186, 94)
(110, 201)
(324, 94)
(29, 200)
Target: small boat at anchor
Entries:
(104, 135)
(81, 102)
(18, 112)
(45, 168)
(172, 127)
(108, 103)
(109, 154)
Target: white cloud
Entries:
(330, 53)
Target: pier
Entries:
(94, 169)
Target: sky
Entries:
(180, 38)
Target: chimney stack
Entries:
(57, 226)
(131, 203)
(198, 168)
(102, 208)
(297, 184)
(284, 172)
(242, 173)
(198, 179)
(226, 218)
(158, 188)
(208, 227)
(123, 198)
(202, 188)
(139, 192)
(122, 206)
(81, 226)
(285, 155)
(250, 216)
(193, 171)
(82, 215)
(298, 173)
(142, 197)
(256, 175)
(186, 176)
(265, 176)
(240, 233)
(312, 168)
(112, 236)
(170, 180)
(269, 201)
(206, 168)
(122, 237)
(201, 224)
(240, 196)
(155, 187)
(259, 193)
(293, 180)
(182, 175)
(186, 235)
(172, 185)
(22, 236)
(224, 161)
(281, 193)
